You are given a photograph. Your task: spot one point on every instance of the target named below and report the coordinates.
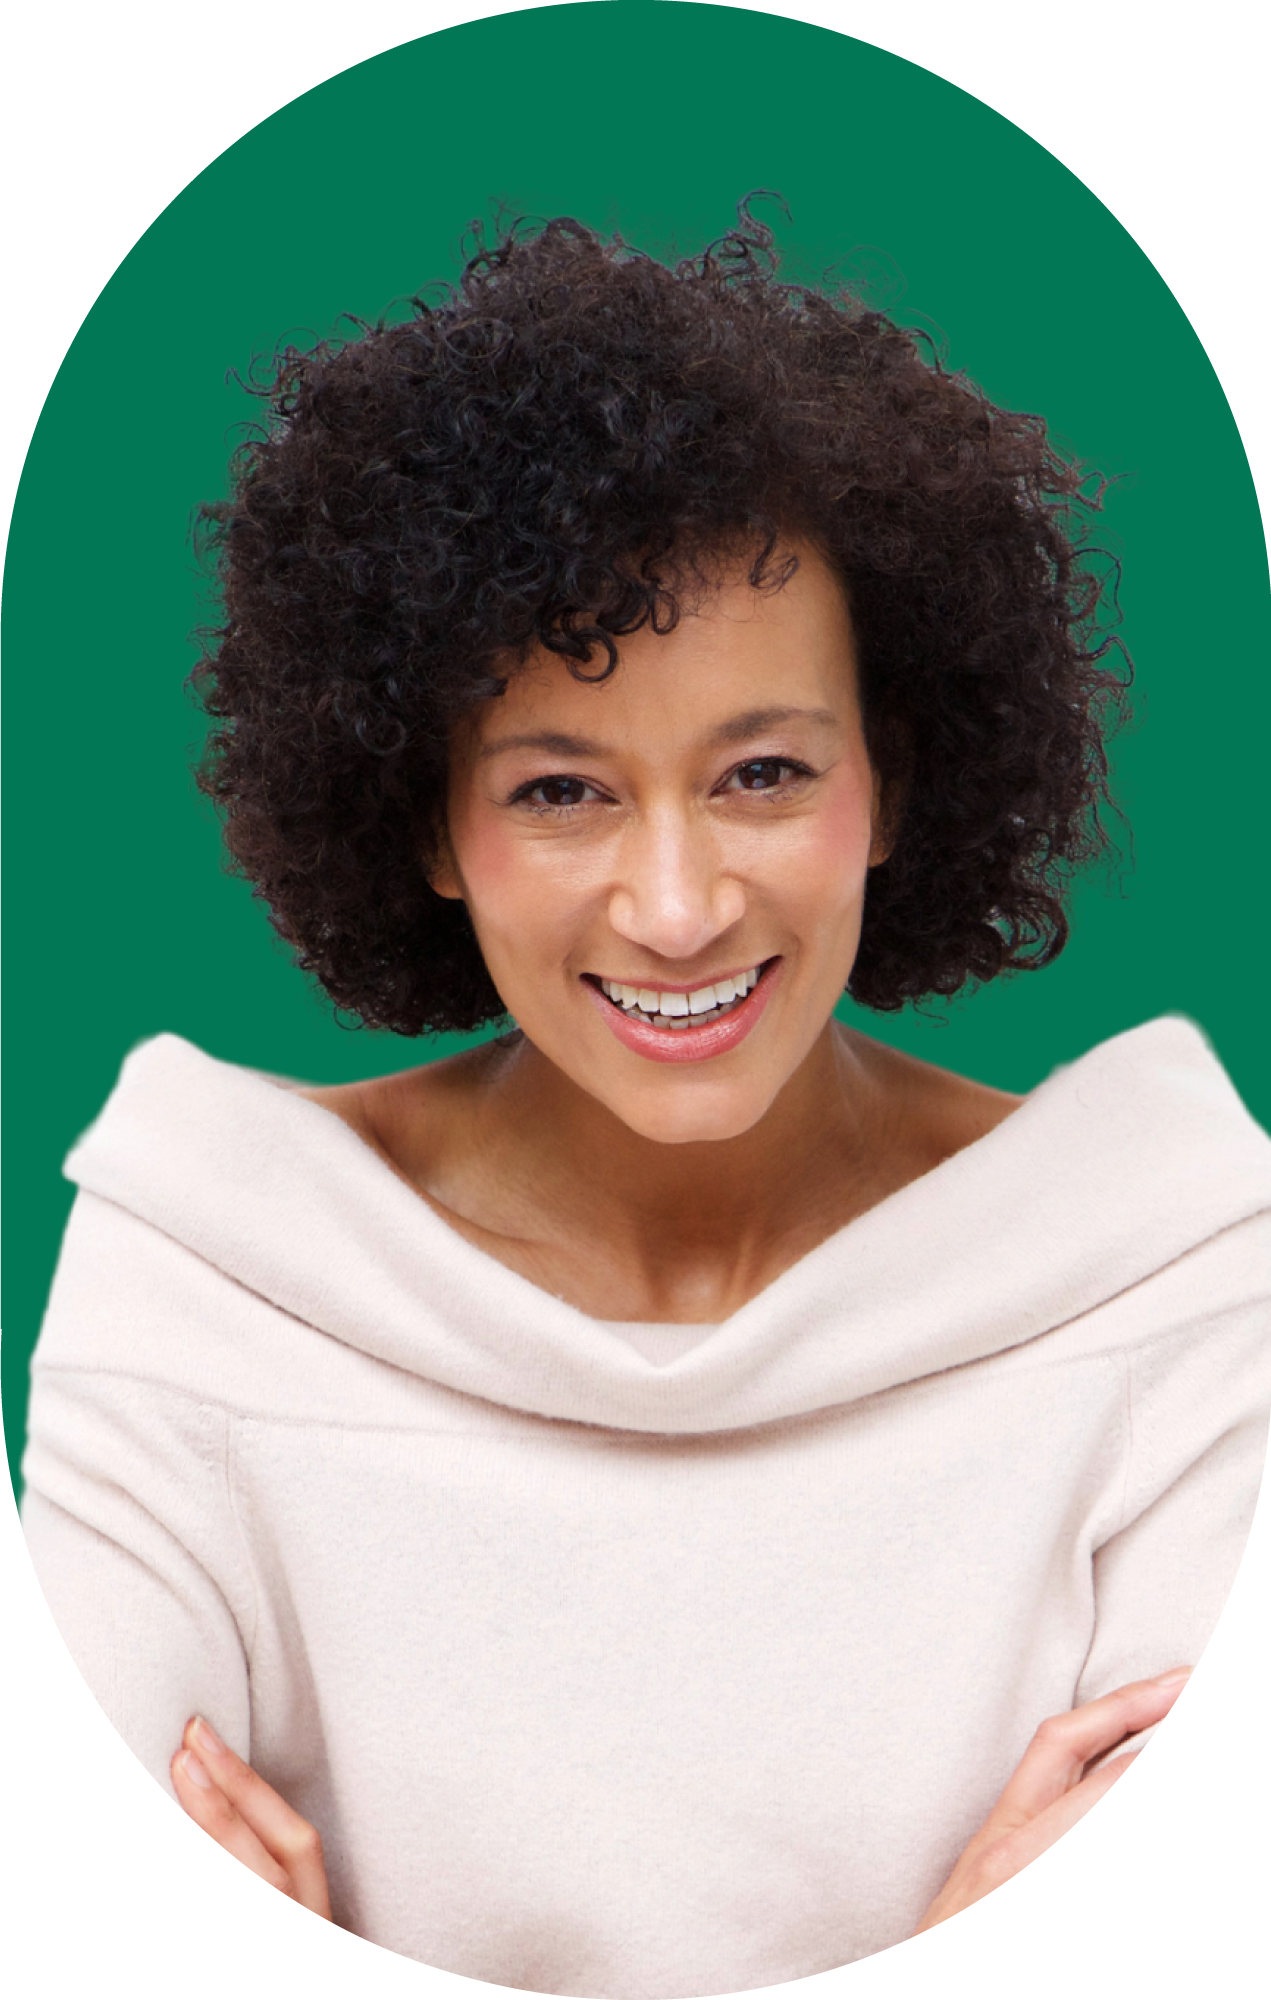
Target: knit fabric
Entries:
(653, 1673)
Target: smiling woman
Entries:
(690, 885)
(704, 834)
(682, 1495)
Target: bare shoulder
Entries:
(345, 1099)
(391, 1113)
(939, 1110)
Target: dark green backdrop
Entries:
(655, 118)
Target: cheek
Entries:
(822, 867)
(519, 891)
(486, 858)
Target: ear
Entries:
(885, 810)
(891, 792)
(441, 873)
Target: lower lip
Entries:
(681, 1045)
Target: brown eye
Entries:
(560, 792)
(761, 774)
(554, 794)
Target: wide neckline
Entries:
(1115, 1164)
(295, 1088)
(975, 1160)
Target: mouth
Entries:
(678, 1010)
(685, 1024)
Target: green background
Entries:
(653, 118)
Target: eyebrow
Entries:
(738, 729)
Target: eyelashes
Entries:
(751, 773)
(528, 794)
(561, 794)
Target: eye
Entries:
(764, 774)
(555, 794)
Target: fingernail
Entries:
(1172, 1678)
(195, 1773)
(207, 1735)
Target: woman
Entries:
(680, 1496)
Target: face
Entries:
(666, 870)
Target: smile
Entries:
(678, 1010)
(688, 1025)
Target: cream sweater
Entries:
(605, 1675)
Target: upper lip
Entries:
(654, 983)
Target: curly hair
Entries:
(538, 460)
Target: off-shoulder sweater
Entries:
(612, 1674)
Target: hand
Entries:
(1047, 1792)
(247, 1818)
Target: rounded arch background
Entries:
(359, 191)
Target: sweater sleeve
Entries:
(1197, 1403)
(129, 1519)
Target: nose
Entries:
(672, 895)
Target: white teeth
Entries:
(676, 1010)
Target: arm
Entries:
(153, 1635)
(1196, 1405)
(128, 1509)
(1197, 1456)
(124, 1550)
(130, 1523)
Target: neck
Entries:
(687, 1231)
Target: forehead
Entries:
(736, 652)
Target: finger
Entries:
(1138, 1741)
(1001, 1859)
(208, 1806)
(1064, 1744)
(988, 1861)
(290, 1839)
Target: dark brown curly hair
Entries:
(539, 459)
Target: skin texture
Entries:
(670, 1190)
(247, 1818)
(1047, 1792)
(709, 808)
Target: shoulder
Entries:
(374, 1109)
(356, 1104)
(413, 1117)
(929, 1113)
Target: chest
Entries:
(632, 1678)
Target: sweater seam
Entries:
(231, 1427)
(1127, 1454)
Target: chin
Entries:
(697, 1118)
